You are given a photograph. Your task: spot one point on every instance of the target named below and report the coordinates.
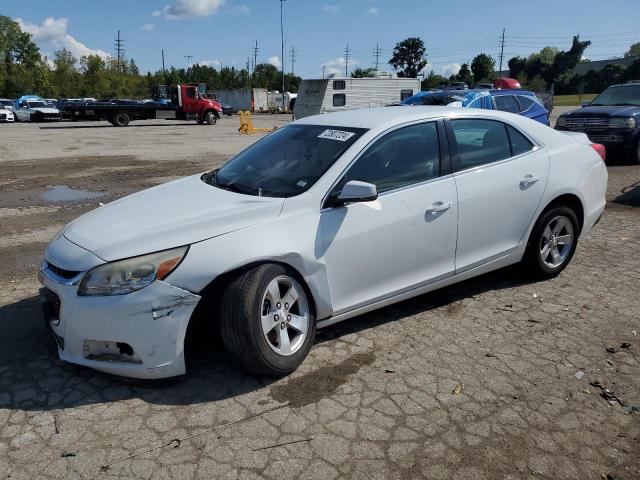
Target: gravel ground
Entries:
(490, 378)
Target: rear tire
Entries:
(266, 320)
(552, 242)
(121, 119)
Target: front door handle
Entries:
(438, 207)
(529, 180)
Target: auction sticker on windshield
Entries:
(339, 135)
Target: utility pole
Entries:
(282, 49)
(293, 60)
(323, 69)
(347, 53)
(119, 51)
(501, 51)
(248, 64)
(255, 56)
(163, 72)
(377, 53)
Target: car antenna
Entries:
(259, 191)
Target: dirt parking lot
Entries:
(494, 378)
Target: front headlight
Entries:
(619, 122)
(561, 122)
(132, 274)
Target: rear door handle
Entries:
(529, 180)
(438, 207)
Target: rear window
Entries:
(507, 103)
(525, 102)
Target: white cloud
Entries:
(443, 69)
(330, 8)
(52, 35)
(372, 11)
(336, 66)
(147, 27)
(183, 9)
(210, 63)
(275, 61)
(242, 9)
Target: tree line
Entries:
(24, 70)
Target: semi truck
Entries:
(185, 102)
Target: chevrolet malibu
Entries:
(322, 220)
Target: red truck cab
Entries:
(193, 102)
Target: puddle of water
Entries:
(62, 193)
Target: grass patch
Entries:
(572, 100)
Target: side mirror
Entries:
(585, 104)
(354, 191)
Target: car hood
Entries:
(603, 112)
(170, 215)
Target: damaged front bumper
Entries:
(139, 335)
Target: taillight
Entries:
(600, 150)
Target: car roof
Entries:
(384, 117)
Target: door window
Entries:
(479, 142)
(507, 103)
(525, 102)
(191, 92)
(403, 157)
(519, 143)
(404, 94)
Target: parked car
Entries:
(458, 86)
(6, 115)
(227, 109)
(612, 119)
(31, 108)
(324, 219)
(484, 86)
(8, 104)
(521, 102)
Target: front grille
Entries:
(3, 116)
(55, 302)
(585, 124)
(66, 274)
(606, 138)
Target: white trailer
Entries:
(344, 93)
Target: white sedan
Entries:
(6, 115)
(326, 218)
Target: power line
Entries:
(501, 51)
(293, 60)
(118, 42)
(377, 53)
(347, 54)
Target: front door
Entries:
(405, 238)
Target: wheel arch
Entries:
(212, 110)
(571, 200)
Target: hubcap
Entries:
(556, 241)
(285, 315)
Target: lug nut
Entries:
(278, 305)
(286, 305)
(288, 318)
(276, 317)
(282, 326)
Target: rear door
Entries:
(500, 176)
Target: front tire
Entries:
(210, 118)
(552, 242)
(266, 320)
(121, 119)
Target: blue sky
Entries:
(224, 31)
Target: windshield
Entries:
(287, 162)
(37, 105)
(627, 95)
(7, 103)
(442, 99)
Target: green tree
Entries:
(546, 55)
(464, 74)
(266, 76)
(634, 50)
(483, 67)
(433, 80)
(361, 72)
(409, 57)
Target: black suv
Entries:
(612, 119)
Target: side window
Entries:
(191, 92)
(507, 103)
(339, 99)
(339, 84)
(403, 157)
(479, 142)
(519, 143)
(525, 102)
(404, 94)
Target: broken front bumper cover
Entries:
(138, 335)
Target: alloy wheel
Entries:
(285, 315)
(556, 242)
